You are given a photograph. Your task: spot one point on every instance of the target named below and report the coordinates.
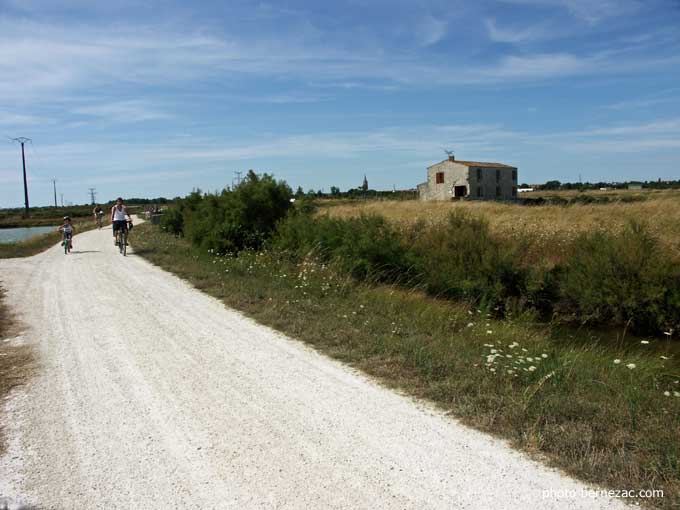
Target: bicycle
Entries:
(67, 243)
(122, 237)
(100, 215)
(121, 241)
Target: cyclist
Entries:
(98, 213)
(67, 229)
(118, 214)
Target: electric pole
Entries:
(22, 140)
(93, 194)
(62, 199)
(238, 178)
(54, 185)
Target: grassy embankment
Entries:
(42, 216)
(608, 413)
(547, 231)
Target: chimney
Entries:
(452, 157)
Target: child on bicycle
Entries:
(67, 230)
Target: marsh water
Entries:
(13, 235)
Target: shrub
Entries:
(366, 247)
(233, 220)
(461, 259)
(621, 278)
(172, 221)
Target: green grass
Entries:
(42, 216)
(576, 410)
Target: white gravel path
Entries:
(152, 395)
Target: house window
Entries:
(498, 191)
(514, 175)
(498, 175)
(479, 174)
(439, 178)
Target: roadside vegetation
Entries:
(546, 230)
(456, 315)
(42, 216)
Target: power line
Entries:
(22, 140)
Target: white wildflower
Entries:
(531, 368)
(631, 365)
(617, 361)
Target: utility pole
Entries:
(93, 194)
(62, 199)
(22, 140)
(54, 185)
(238, 178)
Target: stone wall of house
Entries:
(492, 183)
(454, 175)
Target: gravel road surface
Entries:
(152, 395)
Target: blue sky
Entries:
(156, 98)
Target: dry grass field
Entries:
(547, 229)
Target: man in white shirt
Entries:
(118, 217)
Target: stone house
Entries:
(469, 180)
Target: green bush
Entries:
(233, 220)
(367, 246)
(172, 221)
(461, 259)
(621, 279)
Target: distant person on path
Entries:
(98, 213)
(118, 215)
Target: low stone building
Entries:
(469, 180)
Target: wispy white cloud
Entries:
(58, 60)
(9, 119)
(431, 30)
(662, 97)
(123, 111)
(589, 11)
(514, 35)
